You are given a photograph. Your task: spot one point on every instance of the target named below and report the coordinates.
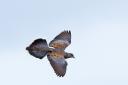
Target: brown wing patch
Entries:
(62, 40)
(60, 44)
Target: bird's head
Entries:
(68, 55)
(71, 55)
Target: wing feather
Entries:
(62, 40)
(58, 64)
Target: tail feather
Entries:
(38, 48)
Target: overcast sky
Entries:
(99, 41)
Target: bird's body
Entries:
(55, 51)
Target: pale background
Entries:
(99, 41)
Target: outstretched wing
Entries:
(58, 63)
(36, 48)
(62, 40)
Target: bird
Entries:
(55, 51)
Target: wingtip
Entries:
(60, 75)
(67, 31)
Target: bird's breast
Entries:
(56, 53)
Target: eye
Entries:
(50, 51)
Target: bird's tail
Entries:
(39, 48)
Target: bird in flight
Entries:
(55, 51)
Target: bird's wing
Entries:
(62, 40)
(36, 48)
(58, 63)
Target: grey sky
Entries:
(99, 41)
